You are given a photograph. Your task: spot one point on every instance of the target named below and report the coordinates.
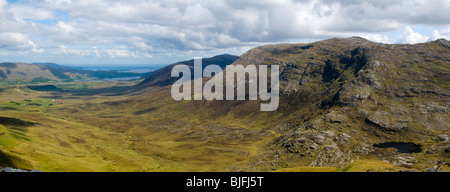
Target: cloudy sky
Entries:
(138, 32)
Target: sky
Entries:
(146, 32)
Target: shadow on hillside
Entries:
(5, 160)
(15, 122)
(107, 91)
(59, 93)
(16, 127)
(43, 88)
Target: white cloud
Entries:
(3, 3)
(14, 32)
(411, 37)
(16, 42)
(148, 55)
(67, 51)
(376, 38)
(96, 52)
(443, 33)
(172, 23)
(28, 12)
(152, 28)
(119, 52)
(64, 27)
(198, 16)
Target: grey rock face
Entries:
(9, 169)
(432, 170)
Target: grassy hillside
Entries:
(21, 72)
(94, 134)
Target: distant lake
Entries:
(140, 71)
(121, 79)
(124, 69)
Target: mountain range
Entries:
(20, 73)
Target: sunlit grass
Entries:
(95, 134)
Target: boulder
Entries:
(335, 117)
(9, 169)
(432, 170)
(443, 137)
(381, 119)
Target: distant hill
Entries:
(54, 65)
(163, 77)
(17, 73)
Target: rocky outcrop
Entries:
(381, 119)
(9, 169)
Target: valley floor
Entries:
(85, 127)
(71, 130)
